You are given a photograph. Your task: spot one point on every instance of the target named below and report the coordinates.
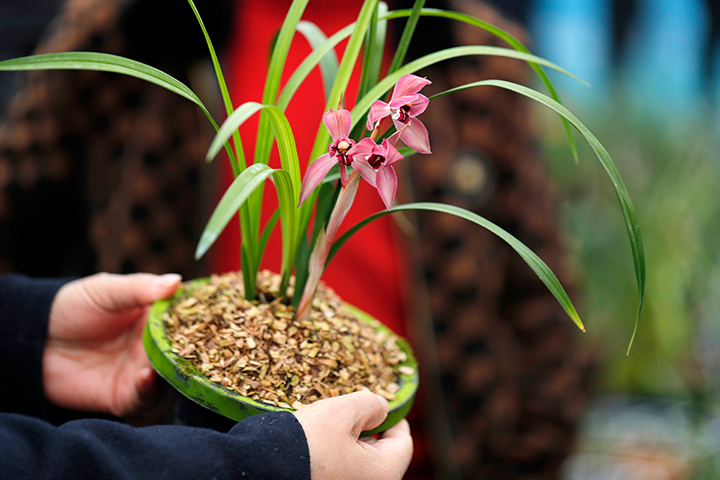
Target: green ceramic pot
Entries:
(186, 379)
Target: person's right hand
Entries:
(332, 427)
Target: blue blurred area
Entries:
(660, 67)
(576, 36)
(654, 70)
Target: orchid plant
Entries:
(342, 143)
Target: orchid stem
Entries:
(320, 252)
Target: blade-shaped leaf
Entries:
(374, 47)
(502, 34)
(626, 206)
(238, 192)
(345, 70)
(275, 69)
(310, 62)
(103, 62)
(363, 105)
(287, 185)
(407, 35)
(239, 159)
(269, 226)
(533, 261)
(301, 271)
(236, 195)
(280, 128)
(328, 63)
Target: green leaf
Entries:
(287, 201)
(374, 48)
(327, 196)
(310, 62)
(406, 152)
(626, 206)
(502, 34)
(275, 69)
(328, 63)
(407, 35)
(267, 231)
(236, 195)
(344, 72)
(538, 266)
(103, 62)
(301, 271)
(363, 105)
(240, 154)
(263, 143)
(288, 185)
(238, 192)
(281, 130)
(248, 273)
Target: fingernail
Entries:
(167, 280)
(385, 404)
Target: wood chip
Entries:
(259, 350)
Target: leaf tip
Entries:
(576, 320)
(206, 241)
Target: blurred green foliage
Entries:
(672, 172)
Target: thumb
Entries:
(122, 292)
(366, 410)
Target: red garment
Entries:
(368, 270)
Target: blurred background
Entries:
(654, 70)
(654, 67)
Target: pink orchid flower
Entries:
(374, 163)
(406, 104)
(341, 151)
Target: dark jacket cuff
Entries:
(281, 448)
(24, 313)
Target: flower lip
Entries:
(376, 161)
(341, 150)
(403, 113)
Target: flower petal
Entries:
(418, 105)
(314, 175)
(365, 171)
(398, 102)
(391, 153)
(338, 123)
(343, 174)
(409, 84)
(362, 149)
(378, 110)
(386, 181)
(416, 136)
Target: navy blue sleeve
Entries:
(262, 447)
(24, 310)
(268, 446)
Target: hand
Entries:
(94, 359)
(332, 428)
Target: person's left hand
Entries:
(94, 358)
